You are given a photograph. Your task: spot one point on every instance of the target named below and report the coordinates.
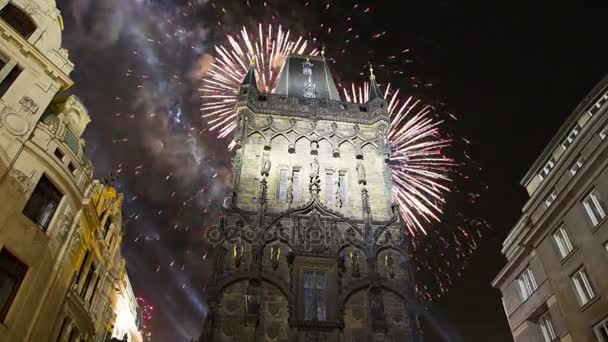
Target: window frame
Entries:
(33, 217)
(315, 295)
(16, 275)
(24, 16)
(526, 283)
(567, 241)
(547, 329)
(596, 330)
(594, 198)
(590, 295)
(576, 165)
(573, 133)
(551, 197)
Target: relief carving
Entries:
(28, 105)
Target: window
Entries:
(578, 163)
(343, 187)
(562, 241)
(601, 330)
(8, 81)
(546, 328)
(94, 290)
(283, 184)
(12, 272)
(296, 185)
(330, 192)
(547, 168)
(551, 197)
(604, 131)
(43, 203)
(594, 207)
(58, 154)
(598, 104)
(582, 287)
(87, 281)
(527, 283)
(71, 168)
(314, 296)
(571, 136)
(64, 325)
(18, 20)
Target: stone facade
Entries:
(310, 247)
(555, 283)
(58, 253)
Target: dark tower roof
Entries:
(374, 90)
(306, 76)
(250, 77)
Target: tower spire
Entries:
(374, 90)
(250, 76)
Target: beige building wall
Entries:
(48, 252)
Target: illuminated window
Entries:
(582, 287)
(578, 163)
(594, 207)
(43, 203)
(315, 306)
(562, 241)
(547, 168)
(604, 131)
(546, 328)
(12, 272)
(598, 104)
(527, 283)
(571, 136)
(18, 20)
(551, 197)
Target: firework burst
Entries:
(419, 167)
(269, 47)
(422, 162)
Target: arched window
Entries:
(18, 20)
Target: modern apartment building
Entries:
(555, 283)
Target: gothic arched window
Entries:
(18, 20)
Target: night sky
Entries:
(511, 73)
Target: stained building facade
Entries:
(310, 247)
(60, 231)
(555, 283)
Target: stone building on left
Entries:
(61, 271)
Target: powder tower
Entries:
(309, 246)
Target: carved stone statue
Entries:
(290, 188)
(265, 164)
(389, 264)
(314, 170)
(354, 256)
(338, 198)
(361, 172)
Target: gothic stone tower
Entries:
(310, 247)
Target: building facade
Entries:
(555, 283)
(310, 247)
(60, 231)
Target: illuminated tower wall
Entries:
(310, 247)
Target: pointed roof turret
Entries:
(374, 90)
(250, 76)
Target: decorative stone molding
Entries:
(28, 105)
